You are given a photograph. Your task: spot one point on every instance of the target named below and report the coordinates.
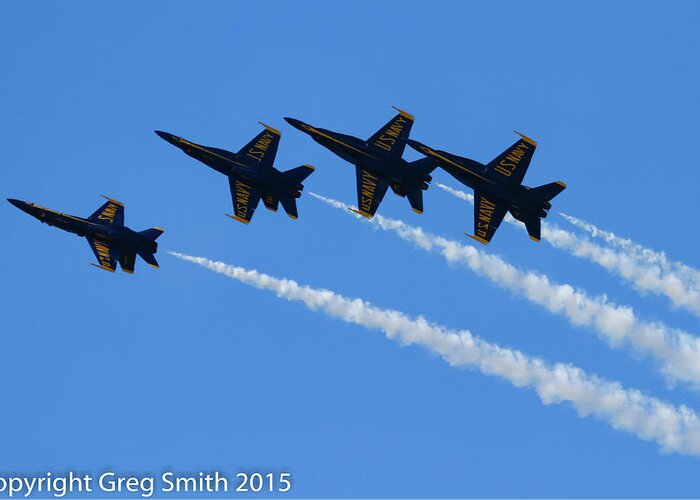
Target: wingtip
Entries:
(293, 217)
(102, 267)
(153, 266)
(526, 138)
(239, 219)
(112, 200)
(362, 213)
(416, 210)
(404, 113)
(477, 238)
(310, 167)
(534, 239)
(562, 184)
(273, 130)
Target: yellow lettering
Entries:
(257, 152)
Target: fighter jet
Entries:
(250, 173)
(498, 187)
(106, 233)
(378, 162)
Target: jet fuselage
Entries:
(231, 164)
(517, 197)
(120, 236)
(356, 151)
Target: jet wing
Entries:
(370, 191)
(511, 165)
(488, 215)
(390, 140)
(245, 199)
(111, 212)
(261, 151)
(106, 256)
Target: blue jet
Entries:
(109, 238)
(498, 187)
(250, 173)
(378, 162)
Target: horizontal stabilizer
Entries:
(127, 261)
(297, 175)
(548, 191)
(290, 206)
(415, 198)
(149, 258)
(152, 233)
(533, 226)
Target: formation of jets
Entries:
(379, 164)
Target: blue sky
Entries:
(181, 368)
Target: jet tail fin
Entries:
(152, 233)
(297, 175)
(548, 191)
(149, 258)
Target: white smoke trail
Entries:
(687, 274)
(674, 428)
(646, 270)
(677, 351)
(643, 254)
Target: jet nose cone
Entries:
(18, 203)
(166, 136)
(22, 205)
(294, 122)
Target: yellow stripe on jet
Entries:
(477, 238)
(311, 129)
(270, 129)
(113, 201)
(426, 150)
(185, 141)
(362, 213)
(239, 219)
(526, 138)
(103, 267)
(404, 113)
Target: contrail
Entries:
(677, 351)
(674, 428)
(651, 273)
